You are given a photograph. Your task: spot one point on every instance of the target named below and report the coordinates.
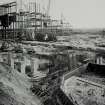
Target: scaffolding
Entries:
(7, 18)
(17, 23)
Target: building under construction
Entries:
(17, 22)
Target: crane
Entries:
(47, 13)
(48, 7)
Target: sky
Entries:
(80, 13)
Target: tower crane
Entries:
(47, 13)
(48, 7)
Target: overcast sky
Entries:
(80, 13)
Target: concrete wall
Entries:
(77, 71)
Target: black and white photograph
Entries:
(52, 52)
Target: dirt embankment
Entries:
(15, 88)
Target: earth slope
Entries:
(15, 88)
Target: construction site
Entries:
(28, 22)
(45, 62)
